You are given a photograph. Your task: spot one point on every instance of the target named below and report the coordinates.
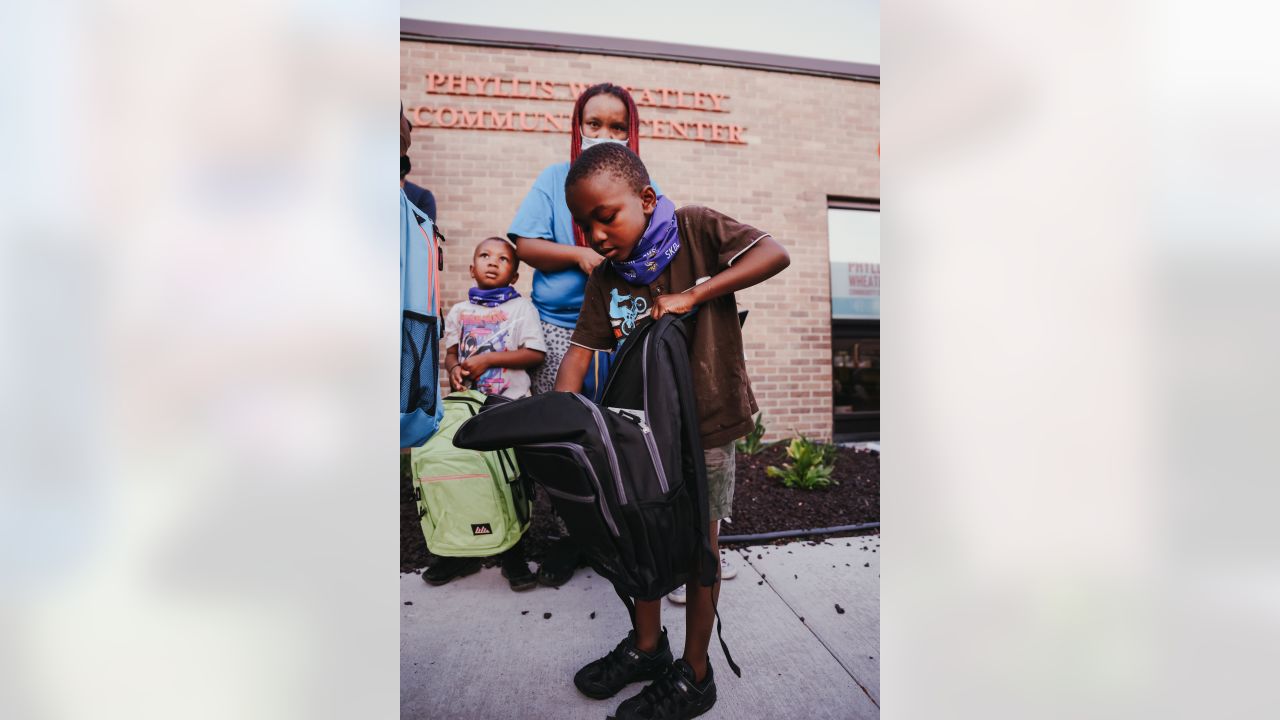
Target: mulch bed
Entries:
(760, 504)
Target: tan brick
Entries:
(779, 182)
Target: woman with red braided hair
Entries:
(547, 239)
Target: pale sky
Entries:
(847, 30)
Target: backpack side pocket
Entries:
(419, 362)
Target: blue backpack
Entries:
(420, 326)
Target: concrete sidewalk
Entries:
(474, 649)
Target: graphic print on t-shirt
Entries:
(482, 332)
(624, 311)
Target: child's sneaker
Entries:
(560, 563)
(674, 696)
(446, 569)
(728, 570)
(623, 665)
(516, 570)
(678, 596)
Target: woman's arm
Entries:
(549, 256)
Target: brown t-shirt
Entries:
(611, 307)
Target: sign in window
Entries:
(854, 238)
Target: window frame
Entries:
(863, 425)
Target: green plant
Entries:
(752, 443)
(812, 465)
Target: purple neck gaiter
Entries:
(492, 297)
(660, 242)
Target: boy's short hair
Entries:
(515, 256)
(611, 157)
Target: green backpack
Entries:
(470, 503)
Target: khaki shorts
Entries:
(720, 480)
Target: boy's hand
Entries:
(677, 303)
(456, 377)
(588, 259)
(475, 365)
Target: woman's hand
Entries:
(588, 259)
(678, 303)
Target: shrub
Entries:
(812, 465)
(752, 443)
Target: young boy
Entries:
(492, 340)
(671, 261)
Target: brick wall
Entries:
(807, 138)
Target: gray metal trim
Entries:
(844, 203)
(456, 33)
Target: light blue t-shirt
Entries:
(545, 214)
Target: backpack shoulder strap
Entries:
(720, 633)
(631, 606)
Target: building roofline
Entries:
(455, 33)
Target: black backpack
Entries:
(627, 476)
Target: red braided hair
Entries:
(575, 133)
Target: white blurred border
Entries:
(1079, 262)
(198, 477)
(197, 502)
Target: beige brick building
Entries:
(775, 148)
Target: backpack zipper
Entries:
(644, 427)
(650, 444)
(516, 502)
(568, 496)
(608, 446)
(582, 456)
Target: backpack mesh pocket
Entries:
(419, 362)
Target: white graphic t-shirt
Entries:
(510, 326)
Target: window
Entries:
(855, 375)
(854, 239)
(853, 229)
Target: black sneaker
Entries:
(560, 563)
(516, 570)
(674, 696)
(623, 665)
(450, 568)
